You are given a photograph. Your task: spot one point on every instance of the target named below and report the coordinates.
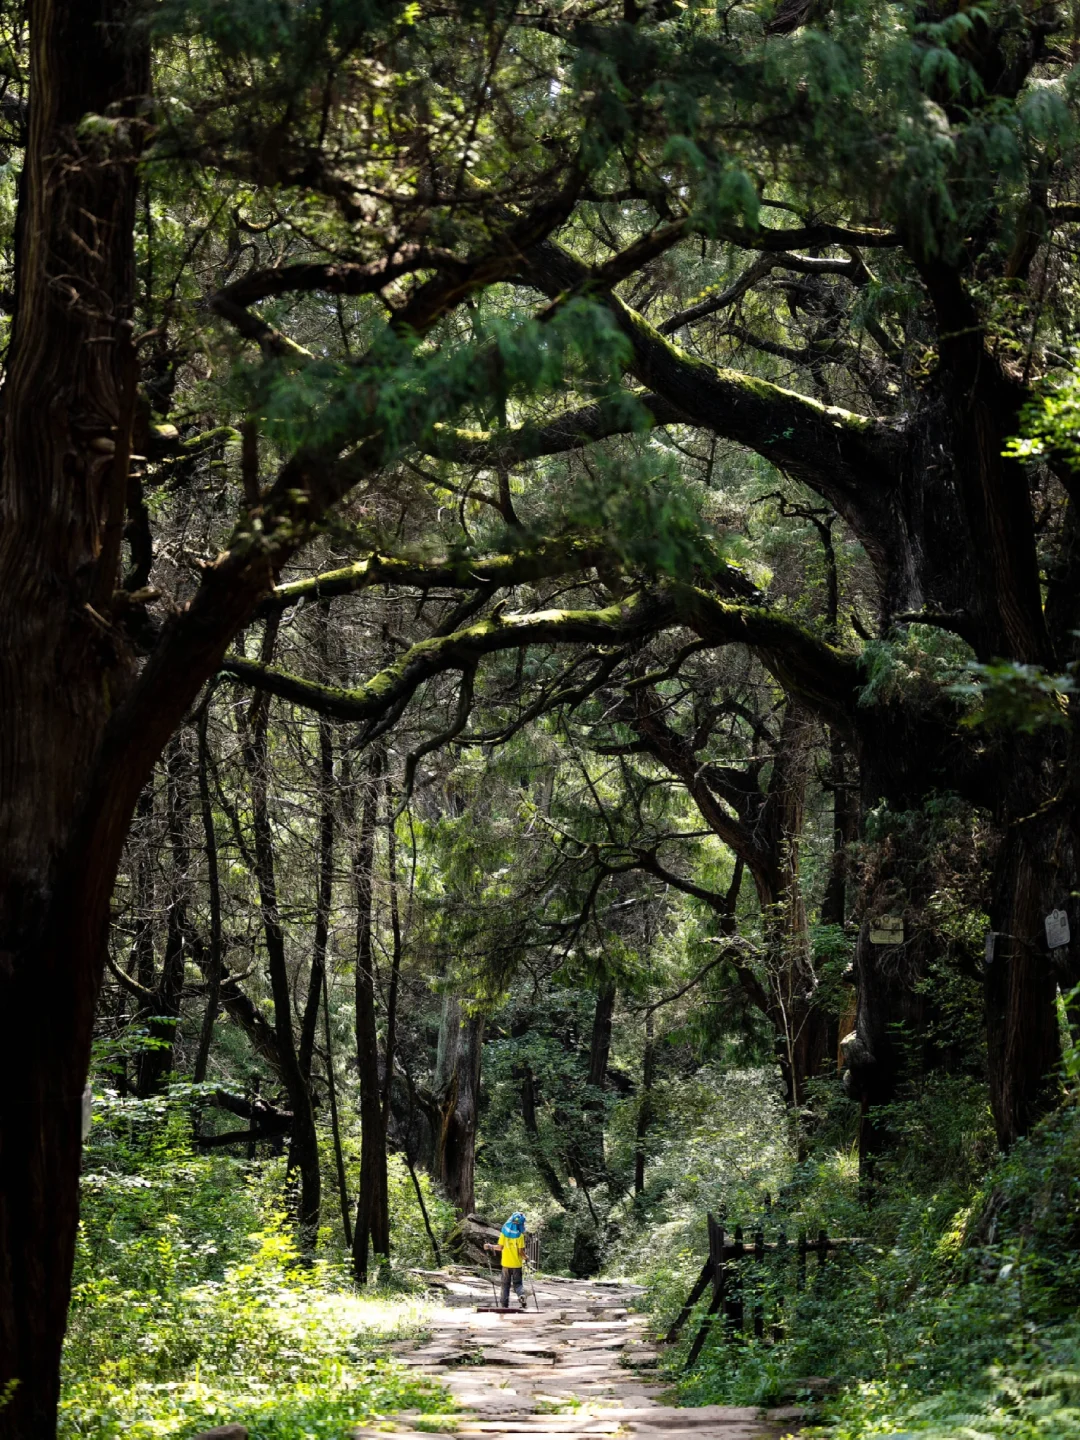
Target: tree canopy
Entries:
(560, 519)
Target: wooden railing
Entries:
(532, 1250)
(722, 1270)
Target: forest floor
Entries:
(574, 1369)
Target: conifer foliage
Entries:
(512, 500)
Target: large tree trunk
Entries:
(976, 567)
(1035, 875)
(457, 1090)
(61, 670)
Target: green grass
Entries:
(172, 1332)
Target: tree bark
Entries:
(644, 1115)
(304, 1149)
(324, 897)
(457, 1091)
(1035, 873)
(61, 671)
(156, 1061)
(372, 1217)
(215, 960)
(335, 1124)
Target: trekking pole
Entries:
(532, 1282)
(491, 1280)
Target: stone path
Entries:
(582, 1366)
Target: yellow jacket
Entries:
(513, 1251)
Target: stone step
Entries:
(511, 1373)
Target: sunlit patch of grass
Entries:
(287, 1350)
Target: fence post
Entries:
(695, 1295)
(735, 1307)
(728, 1297)
(716, 1265)
(778, 1312)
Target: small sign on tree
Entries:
(1057, 929)
(887, 930)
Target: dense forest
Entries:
(539, 636)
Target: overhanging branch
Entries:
(492, 572)
(569, 431)
(822, 676)
(635, 617)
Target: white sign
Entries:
(1057, 929)
(887, 930)
(991, 942)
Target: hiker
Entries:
(511, 1246)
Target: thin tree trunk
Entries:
(142, 944)
(395, 966)
(834, 901)
(304, 1150)
(423, 1208)
(372, 1223)
(335, 1124)
(156, 1062)
(644, 1117)
(532, 1130)
(324, 898)
(216, 957)
(600, 1046)
(590, 1147)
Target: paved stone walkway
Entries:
(580, 1367)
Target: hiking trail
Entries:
(582, 1367)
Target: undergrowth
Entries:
(193, 1308)
(958, 1317)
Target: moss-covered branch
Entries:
(853, 460)
(636, 617)
(492, 572)
(569, 431)
(823, 677)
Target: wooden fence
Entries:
(532, 1250)
(723, 1271)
